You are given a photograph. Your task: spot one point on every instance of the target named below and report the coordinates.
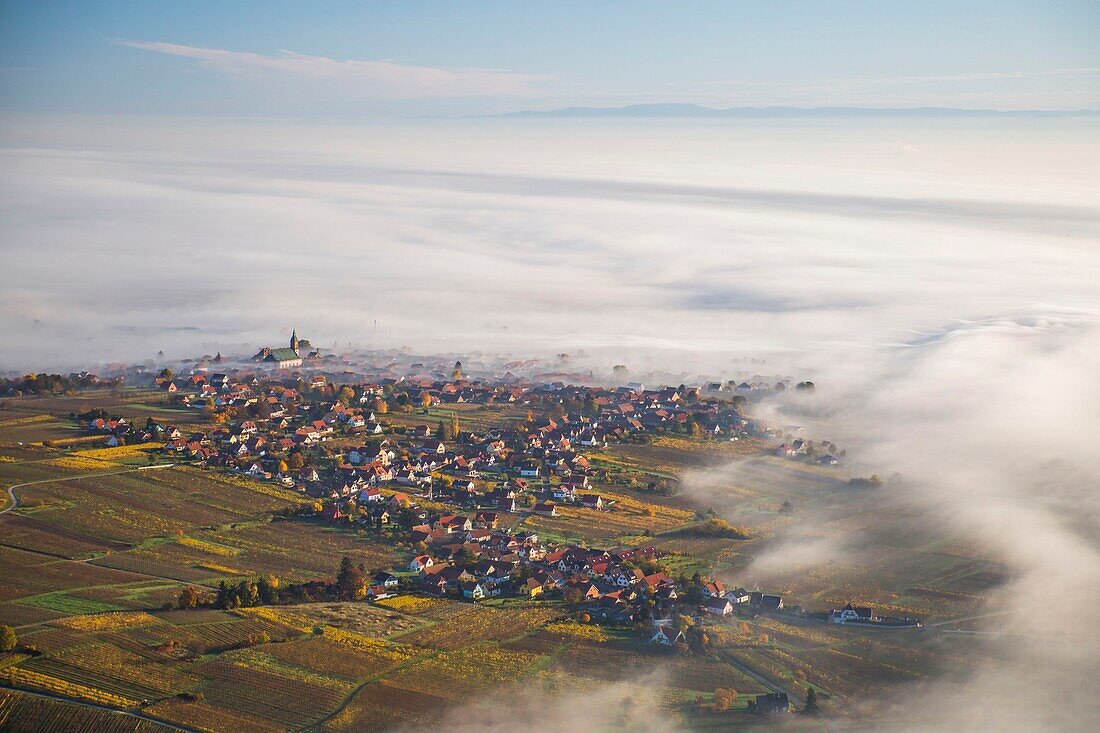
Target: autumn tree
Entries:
(8, 639)
(188, 598)
(350, 582)
(723, 698)
(268, 586)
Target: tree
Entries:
(8, 639)
(425, 400)
(811, 702)
(248, 594)
(268, 586)
(573, 596)
(295, 460)
(464, 558)
(188, 598)
(221, 600)
(454, 425)
(723, 698)
(350, 582)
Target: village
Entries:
(482, 489)
(458, 498)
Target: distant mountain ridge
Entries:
(697, 110)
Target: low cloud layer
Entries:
(990, 430)
(673, 245)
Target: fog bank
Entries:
(661, 243)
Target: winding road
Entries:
(13, 499)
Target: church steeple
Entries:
(294, 340)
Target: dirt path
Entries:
(14, 499)
(769, 685)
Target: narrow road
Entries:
(109, 709)
(14, 500)
(753, 674)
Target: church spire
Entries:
(294, 340)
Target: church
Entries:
(284, 358)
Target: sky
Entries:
(352, 60)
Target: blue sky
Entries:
(333, 59)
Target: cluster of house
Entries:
(804, 450)
(476, 559)
(296, 414)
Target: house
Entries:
(486, 519)
(370, 494)
(387, 580)
(563, 492)
(717, 606)
(771, 603)
(420, 563)
(474, 590)
(739, 595)
(772, 703)
(852, 614)
(451, 523)
(434, 584)
(544, 509)
(378, 592)
(592, 501)
(398, 501)
(666, 635)
(532, 588)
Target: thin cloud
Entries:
(383, 79)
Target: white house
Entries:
(666, 635)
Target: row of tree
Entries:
(351, 584)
